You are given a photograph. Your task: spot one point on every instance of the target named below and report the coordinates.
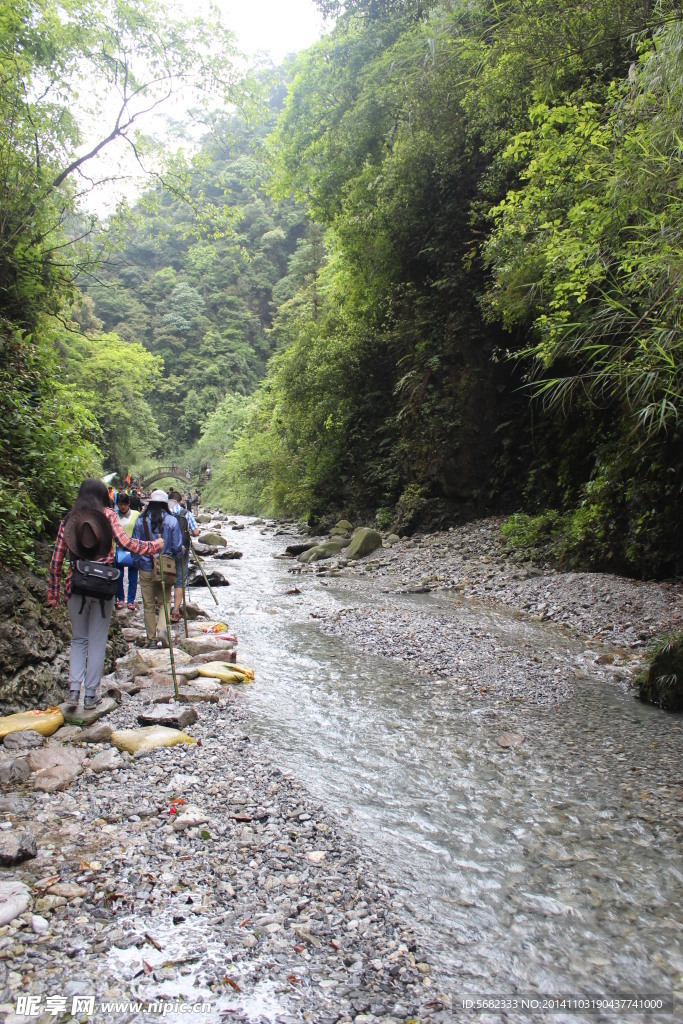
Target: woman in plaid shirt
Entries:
(90, 616)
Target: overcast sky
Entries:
(277, 26)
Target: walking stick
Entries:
(196, 557)
(170, 637)
(182, 576)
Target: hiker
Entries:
(195, 499)
(188, 529)
(86, 533)
(188, 501)
(156, 521)
(124, 559)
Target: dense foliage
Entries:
(431, 270)
(498, 310)
(201, 300)
(68, 70)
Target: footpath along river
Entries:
(549, 868)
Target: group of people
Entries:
(103, 532)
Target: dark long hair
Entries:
(156, 512)
(92, 493)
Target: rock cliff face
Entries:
(34, 645)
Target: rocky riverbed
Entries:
(196, 875)
(207, 874)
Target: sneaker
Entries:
(72, 700)
(120, 605)
(91, 702)
(131, 606)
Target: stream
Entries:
(544, 869)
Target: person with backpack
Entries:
(86, 534)
(156, 521)
(188, 529)
(123, 559)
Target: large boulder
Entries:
(363, 542)
(214, 540)
(328, 549)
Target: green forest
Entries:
(428, 270)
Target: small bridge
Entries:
(162, 472)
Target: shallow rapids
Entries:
(552, 867)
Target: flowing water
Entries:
(550, 868)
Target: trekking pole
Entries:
(169, 634)
(196, 556)
(182, 576)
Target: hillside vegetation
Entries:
(431, 269)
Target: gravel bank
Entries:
(614, 618)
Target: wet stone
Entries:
(83, 717)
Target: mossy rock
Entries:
(662, 682)
(328, 549)
(363, 542)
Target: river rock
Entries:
(510, 739)
(171, 717)
(345, 525)
(337, 531)
(55, 768)
(206, 645)
(195, 693)
(229, 654)
(27, 739)
(107, 761)
(16, 846)
(83, 717)
(363, 542)
(195, 612)
(213, 539)
(203, 517)
(189, 817)
(46, 904)
(298, 549)
(320, 552)
(229, 554)
(205, 550)
(14, 900)
(14, 771)
(98, 733)
(67, 890)
(196, 579)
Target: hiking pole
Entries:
(169, 634)
(196, 556)
(182, 576)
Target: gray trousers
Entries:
(88, 646)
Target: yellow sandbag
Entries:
(243, 670)
(45, 722)
(213, 627)
(148, 738)
(224, 671)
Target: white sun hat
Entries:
(161, 496)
